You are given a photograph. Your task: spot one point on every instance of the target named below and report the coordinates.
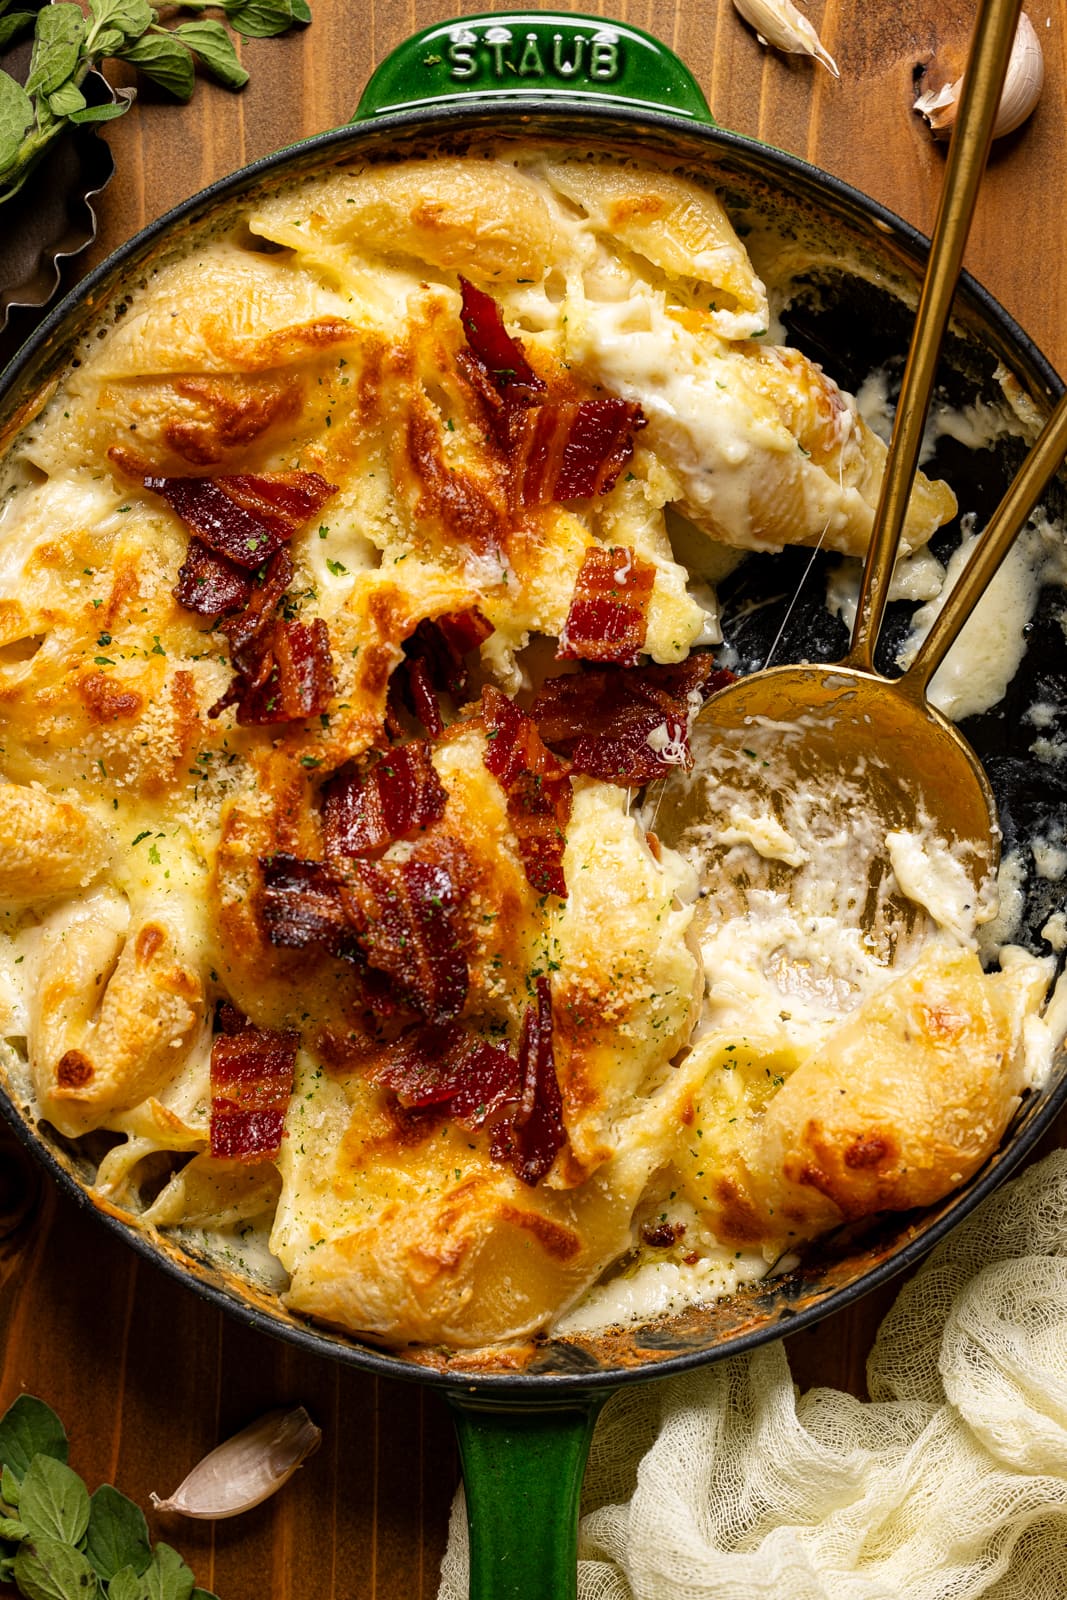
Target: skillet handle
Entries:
(533, 57)
(522, 1474)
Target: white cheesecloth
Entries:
(950, 1482)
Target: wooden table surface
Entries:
(146, 1376)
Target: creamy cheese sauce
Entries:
(931, 873)
(987, 654)
(654, 1287)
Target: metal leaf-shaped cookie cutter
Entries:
(52, 218)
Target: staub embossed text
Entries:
(502, 53)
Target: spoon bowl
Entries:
(875, 777)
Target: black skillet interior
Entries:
(847, 311)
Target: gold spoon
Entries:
(872, 750)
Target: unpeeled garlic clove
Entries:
(779, 23)
(247, 1469)
(1023, 83)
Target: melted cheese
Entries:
(986, 656)
(932, 875)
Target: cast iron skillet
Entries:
(524, 1421)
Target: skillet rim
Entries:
(813, 184)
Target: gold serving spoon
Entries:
(871, 750)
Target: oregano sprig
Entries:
(58, 1542)
(67, 44)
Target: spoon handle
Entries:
(1029, 483)
(983, 80)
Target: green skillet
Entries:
(524, 1423)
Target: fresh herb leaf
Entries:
(118, 1534)
(214, 46)
(16, 114)
(67, 99)
(104, 113)
(125, 1585)
(13, 24)
(161, 57)
(53, 1501)
(168, 1578)
(67, 44)
(259, 19)
(47, 1569)
(129, 17)
(64, 1545)
(108, 40)
(57, 41)
(29, 1428)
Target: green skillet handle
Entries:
(522, 1473)
(533, 56)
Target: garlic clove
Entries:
(1023, 83)
(779, 23)
(939, 107)
(247, 1469)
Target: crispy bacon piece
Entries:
(284, 670)
(447, 1065)
(626, 725)
(460, 633)
(282, 501)
(572, 450)
(245, 518)
(434, 664)
(302, 906)
(251, 1081)
(403, 915)
(247, 630)
(412, 685)
(495, 364)
(209, 584)
(215, 519)
(560, 450)
(478, 1084)
(536, 1132)
(608, 615)
(291, 678)
(365, 812)
(537, 785)
(515, 747)
(242, 524)
(661, 1235)
(501, 359)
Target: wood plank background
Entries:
(146, 1376)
